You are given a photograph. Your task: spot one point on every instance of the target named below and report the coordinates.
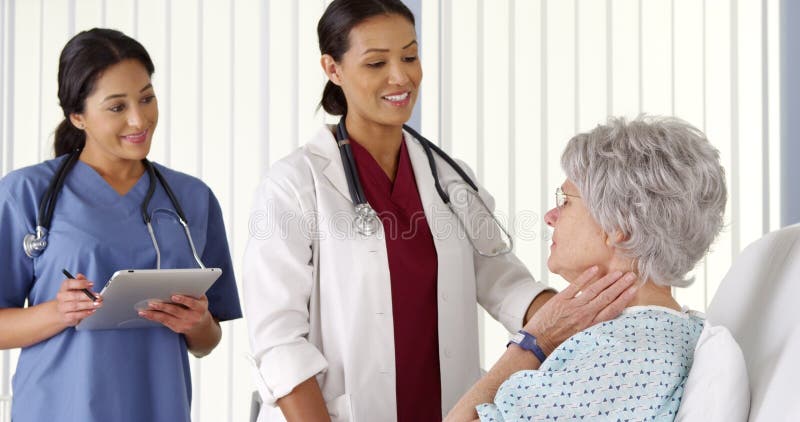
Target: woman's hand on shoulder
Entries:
(587, 301)
(183, 315)
(72, 304)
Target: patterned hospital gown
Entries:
(632, 368)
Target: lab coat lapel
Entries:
(441, 221)
(455, 277)
(431, 202)
(323, 145)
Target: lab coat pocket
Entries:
(339, 408)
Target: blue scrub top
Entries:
(113, 375)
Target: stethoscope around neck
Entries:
(35, 243)
(366, 221)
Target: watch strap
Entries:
(527, 341)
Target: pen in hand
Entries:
(85, 291)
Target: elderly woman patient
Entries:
(645, 196)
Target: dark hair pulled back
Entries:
(333, 31)
(83, 60)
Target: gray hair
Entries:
(659, 182)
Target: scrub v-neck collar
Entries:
(370, 172)
(100, 191)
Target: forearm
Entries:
(22, 327)
(202, 339)
(305, 403)
(513, 360)
(537, 303)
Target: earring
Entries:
(80, 126)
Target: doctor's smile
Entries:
(400, 99)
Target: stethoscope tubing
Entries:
(154, 174)
(362, 207)
(428, 146)
(354, 186)
(48, 204)
(351, 172)
(34, 244)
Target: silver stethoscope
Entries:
(35, 243)
(366, 221)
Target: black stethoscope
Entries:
(366, 221)
(35, 243)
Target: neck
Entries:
(121, 174)
(649, 293)
(652, 294)
(381, 141)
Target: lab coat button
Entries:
(447, 353)
(444, 296)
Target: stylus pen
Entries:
(85, 291)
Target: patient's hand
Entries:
(585, 302)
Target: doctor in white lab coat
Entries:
(320, 304)
(319, 295)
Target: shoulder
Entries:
(299, 169)
(35, 175)
(638, 334)
(29, 183)
(661, 327)
(295, 168)
(21, 191)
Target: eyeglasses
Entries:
(561, 197)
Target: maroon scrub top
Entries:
(412, 269)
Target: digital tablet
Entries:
(129, 291)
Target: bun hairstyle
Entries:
(333, 31)
(84, 59)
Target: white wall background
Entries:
(507, 83)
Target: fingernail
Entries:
(594, 268)
(176, 299)
(617, 274)
(141, 313)
(630, 277)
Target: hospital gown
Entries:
(632, 368)
(112, 375)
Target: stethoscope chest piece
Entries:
(366, 221)
(35, 243)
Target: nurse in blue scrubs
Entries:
(97, 228)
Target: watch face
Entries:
(517, 338)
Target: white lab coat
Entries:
(317, 294)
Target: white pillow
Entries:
(717, 388)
